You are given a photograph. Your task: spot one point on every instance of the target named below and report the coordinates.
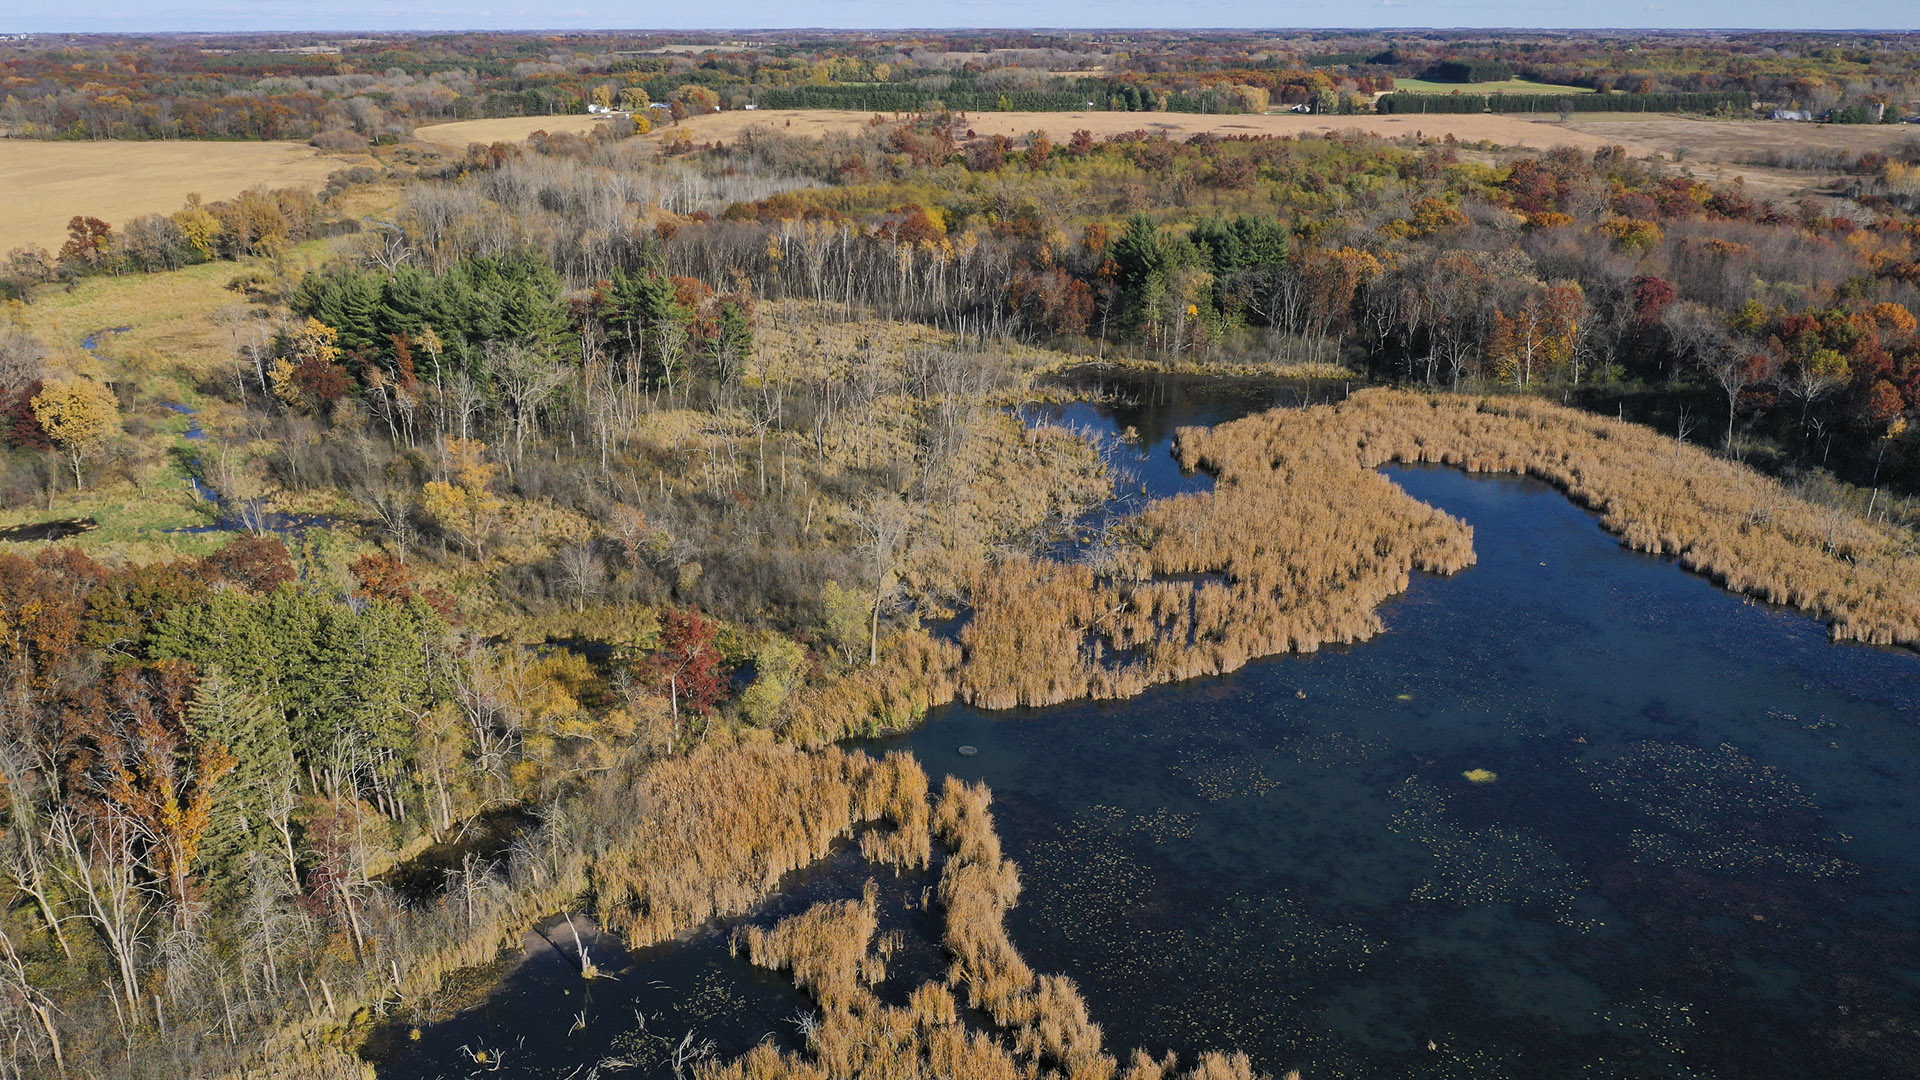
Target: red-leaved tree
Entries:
(688, 665)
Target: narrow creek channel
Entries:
(228, 514)
(1685, 848)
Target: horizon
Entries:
(92, 17)
(984, 29)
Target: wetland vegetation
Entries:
(911, 602)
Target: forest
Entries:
(547, 515)
(377, 89)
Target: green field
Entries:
(1505, 86)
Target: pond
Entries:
(1577, 813)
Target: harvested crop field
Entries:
(459, 134)
(46, 183)
(1718, 150)
(1503, 130)
(1735, 140)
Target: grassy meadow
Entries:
(1503, 86)
(159, 339)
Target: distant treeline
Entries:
(1116, 97)
(1547, 103)
(904, 98)
(1469, 71)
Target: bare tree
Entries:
(272, 927)
(527, 377)
(1683, 428)
(669, 350)
(385, 247)
(1814, 378)
(18, 991)
(102, 870)
(584, 573)
(26, 859)
(1735, 367)
(22, 358)
(884, 526)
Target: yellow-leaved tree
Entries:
(312, 352)
(78, 415)
(464, 504)
(200, 228)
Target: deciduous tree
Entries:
(78, 415)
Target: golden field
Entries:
(459, 134)
(1503, 129)
(1715, 149)
(46, 183)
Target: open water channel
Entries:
(1694, 851)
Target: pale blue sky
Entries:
(140, 15)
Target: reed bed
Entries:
(916, 672)
(1717, 517)
(1042, 1030)
(1295, 548)
(1302, 539)
(717, 831)
(828, 947)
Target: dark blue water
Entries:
(1136, 417)
(1695, 851)
(1697, 856)
(691, 996)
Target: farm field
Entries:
(49, 182)
(1718, 150)
(460, 133)
(1505, 130)
(1733, 140)
(1504, 86)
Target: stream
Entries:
(1576, 813)
(228, 514)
